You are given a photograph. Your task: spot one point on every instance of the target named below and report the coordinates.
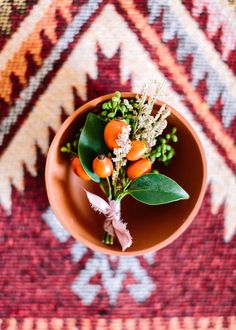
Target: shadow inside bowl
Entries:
(149, 225)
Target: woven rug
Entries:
(54, 56)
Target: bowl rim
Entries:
(104, 249)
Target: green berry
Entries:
(64, 149)
(163, 148)
(114, 104)
(174, 138)
(168, 136)
(117, 94)
(104, 113)
(111, 115)
(123, 108)
(170, 154)
(127, 121)
(174, 130)
(164, 158)
(104, 106)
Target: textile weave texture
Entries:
(56, 55)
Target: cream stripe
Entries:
(203, 323)
(144, 324)
(85, 324)
(25, 29)
(101, 324)
(71, 324)
(130, 324)
(27, 324)
(206, 47)
(56, 324)
(116, 324)
(12, 324)
(155, 323)
(41, 324)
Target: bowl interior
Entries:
(150, 226)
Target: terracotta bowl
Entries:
(152, 227)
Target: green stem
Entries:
(127, 185)
(122, 195)
(103, 189)
(109, 188)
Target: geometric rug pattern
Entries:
(56, 55)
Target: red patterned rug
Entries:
(54, 56)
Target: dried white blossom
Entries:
(120, 153)
(128, 105)
(124, 144)
(150, 126)
(155, 126)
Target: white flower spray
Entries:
(149, 127)
(120, 153)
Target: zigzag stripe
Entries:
(17, 64)
(167, 61)
(221, 81)
(26, 27)
(220, 16)
(25, 96)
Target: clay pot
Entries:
(152, 227)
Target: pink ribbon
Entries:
(113, 223)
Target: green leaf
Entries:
(156, 189)
(64, 149)
(91, 143)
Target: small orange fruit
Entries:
(138, 149)
(138, 168)
(78, 169)
(111, 132)
(102, 166)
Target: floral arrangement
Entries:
(121, 146)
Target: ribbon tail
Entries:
(122, 234)
(98, 203)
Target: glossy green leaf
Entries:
(156, 189)
(91, 143)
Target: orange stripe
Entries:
(179, 76)
(33, 45)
